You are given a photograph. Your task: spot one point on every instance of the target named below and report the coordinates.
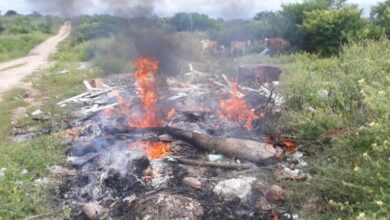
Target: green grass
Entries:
(19, 34)
(15, 46)
(351, 173)
(19, 196)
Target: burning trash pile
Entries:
(188, 147)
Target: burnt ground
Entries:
(127, 185)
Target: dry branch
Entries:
(250, 150)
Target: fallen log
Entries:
(250, 150)
(235, 166)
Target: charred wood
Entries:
(235, 166)
(250, 150)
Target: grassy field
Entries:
(20, 193)
(15, 46)
(19, 34)
(338, 106)
(343, 101)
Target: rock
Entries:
(93, 211)
(192, 182)
(234, 188)
(276, 194)
(166, 206)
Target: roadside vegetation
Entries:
(19, 33)
(25, 183)
(340, 106)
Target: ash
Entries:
(115, 180)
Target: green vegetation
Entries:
(327, 30)
(380, 15)
(19, 34)
(21, 192)
(347, 96)
(341, 87)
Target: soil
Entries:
(13, 72)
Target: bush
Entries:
(327, 30)
(380, 15)
(350, 93)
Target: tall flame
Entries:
(146, 87)
(236, 110)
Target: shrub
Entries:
(357, 86)
(327, 30)
(380, 15)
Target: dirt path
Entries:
(12, 72)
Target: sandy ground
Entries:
(13, 72)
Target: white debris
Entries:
(41, 182)
(291, 216)
(36, 112)
(234, 188)
(215, 157)
(298, 157)
(323, 93)
(83, 66)
(64, 72)
(24, 172)
(2, 171)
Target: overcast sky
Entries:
(214, 8)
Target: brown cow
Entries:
(276, 46)
(213, 47)
(240, 47)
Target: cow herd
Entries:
(272, 46)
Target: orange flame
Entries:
(146, 85)
(154, 150)
(146, 88)
(288, 145)
(236, 110)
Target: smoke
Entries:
(157, 43)
(130, 8)
(70, 8)
(233, 9)
(64, 8)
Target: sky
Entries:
(214, 8)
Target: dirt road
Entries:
(12, 72)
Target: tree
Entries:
(192, 22)
(326, 31)
(380, 15)
(268, 24)
(11, 13)
(293, 15)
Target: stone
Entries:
(192, 182)
(234, 188)
(276, 194)
(93, 211)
